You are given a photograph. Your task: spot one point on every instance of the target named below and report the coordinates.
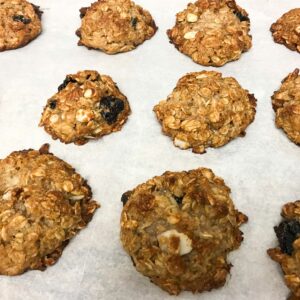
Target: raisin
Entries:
(110, 108)
(134, 22)
(125, 197)
(65, 83)
(287, 232)
(20, 18)
(178, 199)
(52, 104)
(241, 16)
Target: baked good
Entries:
(115, 26)
(286, 30)
(20, 23)
(286, 104)
(212, 32)
(288, 252)
(205, 110)
(43, 204)
(87, 106)
(178, 229)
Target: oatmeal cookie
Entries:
(178, 229)
(20, 23)
(87, 106)
(115, 26)
(286, 104)
(286, 30)
(212, 32)
(206, 110)
(288, 252)
(43, 204)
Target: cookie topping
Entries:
(134, 22)
(175, 242)
(66, 82)
(20, 18)
(111, 107)
(287, 232)
(52, 104)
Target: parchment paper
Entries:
(262, 169)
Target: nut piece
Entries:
(175, 242)
(88, 93)
(82, 115)
(181, 144)
(190, 35)
(192, 18)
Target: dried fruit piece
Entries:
(20, 18)
(66, 82)
(111, 107)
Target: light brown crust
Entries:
(43, 204)
(20, 23)
(78, 114)
(205, 110)
(286, 104)
(286, 30)
(115, 26)
(290, 264)
(212, 32)
(178, 229)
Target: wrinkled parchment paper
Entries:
(261, 169)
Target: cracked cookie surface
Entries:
(43, 204)
(286, 104)
(20, 23)
(286, 30)
(87, 106)
(115, 26)
(212, 32)
(205, 110)
(288, 252)
(178, 229)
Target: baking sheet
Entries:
(261, 169)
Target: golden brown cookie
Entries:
(87, 106)
(212, 32)
(115, 26)
(286, 30)
(205, 110)
(178, 229)
(20, 23)
(286, 104)
(43, 204)
(288, 252)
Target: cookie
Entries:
(212, 32)
(87, 106)
(205, 110)
(43, 204)
(115, 26)
(20, 23)
(288, 252)
(286, 30)
(286, 104)
(178, 229)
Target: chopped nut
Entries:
(192, 18)
(54, 118)
(181, 144)
(88, 93)
(190, 35)
(166, 242)
(82, 116)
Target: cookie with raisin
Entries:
(87, 106)
(286, 104)
(20, 23)
(178, 229)
(115, 26)
(206, 110)
(288, 252)
(43, 204)
(212, 32)
(286, 30)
